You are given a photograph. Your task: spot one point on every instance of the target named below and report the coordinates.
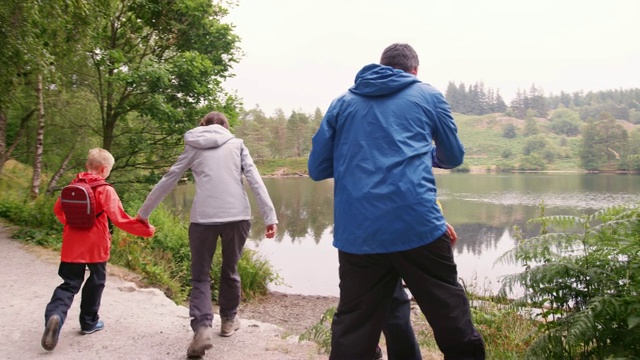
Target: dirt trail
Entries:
(139, 323)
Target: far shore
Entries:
(284, 173)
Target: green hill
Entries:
(486, 147)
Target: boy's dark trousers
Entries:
(398, 332)
(73, 276)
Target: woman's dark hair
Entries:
(215, 118)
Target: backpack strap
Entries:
(94, 185)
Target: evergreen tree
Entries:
(499, 105)
(537, 102)
(519, 105)
(452, 97)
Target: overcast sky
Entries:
(300, 54)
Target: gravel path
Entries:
(139, 323)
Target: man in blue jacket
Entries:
(379, 141)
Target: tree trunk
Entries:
(3, 139)
(53, 183)
(37, 161)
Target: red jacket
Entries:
(94, 245)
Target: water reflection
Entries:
(483, 208)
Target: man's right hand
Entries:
(452, 234)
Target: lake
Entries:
(483, 208)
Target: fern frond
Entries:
(565, 221)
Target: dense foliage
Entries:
(475, 100)
(584, 284)
(126, 75)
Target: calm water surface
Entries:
(483, 208)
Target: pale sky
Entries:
(301, 54)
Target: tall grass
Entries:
(506, 331)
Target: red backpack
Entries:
(79, 203)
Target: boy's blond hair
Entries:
(99, 157)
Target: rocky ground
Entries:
(140, 323)
(294, 313)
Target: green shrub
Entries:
(505, 166)
(165, 259)
(464, 168)
(320, 333)
(532, 163)
(509, 131)
(586, 283)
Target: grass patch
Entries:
(283, 167)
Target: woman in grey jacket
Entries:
(218, 160)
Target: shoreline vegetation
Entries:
(294, 171)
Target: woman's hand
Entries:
(271, 231)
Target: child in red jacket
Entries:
(88, 248)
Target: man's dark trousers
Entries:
(367, 283)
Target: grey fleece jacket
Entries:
(218, 160)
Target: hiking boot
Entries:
(51, 333)
(202, 341)
(99, 326)
(378, 355)
(229, 325)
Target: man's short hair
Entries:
(99, 157)
(215, 118)
(400, 56)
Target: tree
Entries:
(535, 144)
(156, 67)
(519, 105)
(531, 125)
(565, 122)
(537, 101)
(604, 143)
(297, 134)
(33, 36)
(452, 96)
(499, 105)
(37, 162)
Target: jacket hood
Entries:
(88, 177)
(379, 80)
(206, 137)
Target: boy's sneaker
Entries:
(229, 325)
(202, 341)
(99, 326)
(51, 333)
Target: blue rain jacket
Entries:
(377, 142)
